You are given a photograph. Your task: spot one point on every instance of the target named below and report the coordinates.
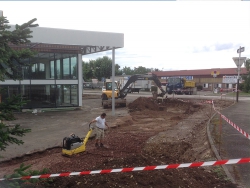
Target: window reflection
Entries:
(52, 69)
(73, 67)
(42, 96)
(74, 98)
(58, 69)
(66, 66)
(50, 66)
(63, 95)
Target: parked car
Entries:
(88, 85)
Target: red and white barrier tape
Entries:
(224, 117)
(133, 169)
(232, 123)
(236, 127)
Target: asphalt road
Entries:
(234, 144)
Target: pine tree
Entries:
(10, 62)
(10, 59)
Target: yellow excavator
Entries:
(121, 93)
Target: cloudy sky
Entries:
(164, 35)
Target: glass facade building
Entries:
(53, 77)
(48, 80)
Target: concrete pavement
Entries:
(234, 145)
(50, 127)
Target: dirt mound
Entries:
(143, 103)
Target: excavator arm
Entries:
(125, 90)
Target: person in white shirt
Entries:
(100, 126)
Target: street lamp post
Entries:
(239, 61)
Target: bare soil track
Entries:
(153, 133)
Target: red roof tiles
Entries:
(223, 71)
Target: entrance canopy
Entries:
(72, 41)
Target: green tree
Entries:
(117, 70)
(11, 60)
(10, 66)
(141, 70)
(154, 69)
(87, 71)
(246, 78)
(23, 170)
(101, 67)
(128, 71)
(10, 63)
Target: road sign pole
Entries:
(239, 61)
(238, 79)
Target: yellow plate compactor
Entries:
(73, 144)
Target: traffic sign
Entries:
(239, 61)
(242, 49)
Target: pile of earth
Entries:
(143, 103)
(152, 105)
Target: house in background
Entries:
(204, 77)
(53, 78)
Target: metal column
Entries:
(113, 81)
(79, 62)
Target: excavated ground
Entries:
(154, 133)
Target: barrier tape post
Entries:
(133, 169)
(220, 133)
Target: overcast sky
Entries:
(165, 35)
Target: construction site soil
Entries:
(151, 133)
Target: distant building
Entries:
(203, 77)
(53, 78)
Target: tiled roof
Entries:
(222, 71)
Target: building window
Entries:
(205, 85)
(43, 96)
(63, 95)
(74, 69)
(66, 68)
(58, 69)
(50, 66)
(74, 95)
(52, 69)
